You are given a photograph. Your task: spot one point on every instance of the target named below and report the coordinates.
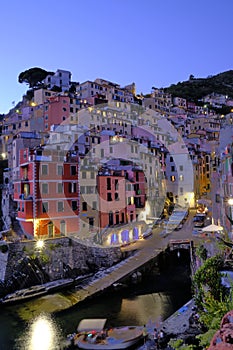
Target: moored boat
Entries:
(92, 334)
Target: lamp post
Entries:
(230, 202)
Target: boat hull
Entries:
(117, 338)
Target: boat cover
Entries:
(93, 324)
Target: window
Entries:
(108, 183)
(82, 189)
(181, 177)
(171, 159)
(109, 197)
(84, 206)
(60, 206)
(74, 205)
(172, 168)
(72, 187)
(116, 196)
(63, 227)
(92, 175)
(60, 170)
(116, 185)
(73, 170)
(59, 187)
(44, 169)
(45, 207)
(181, 168)
(94, 205)
(84, 175)
(90, 189)
(91, 222)
(44, 188)
(173, 178)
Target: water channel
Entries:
(149, 302)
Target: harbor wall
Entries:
(58, 258)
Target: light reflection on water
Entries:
(42, 333)
(23, 328)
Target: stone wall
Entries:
(59, 258)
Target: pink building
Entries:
(121, 193)
(58, 111)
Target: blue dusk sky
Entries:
(149, 42)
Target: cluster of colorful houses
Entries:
(97, 160)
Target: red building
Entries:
(47, 192)
(121, 193)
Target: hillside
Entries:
(196, 88)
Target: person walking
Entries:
(161, 339)
(155, 336)
(144, 333)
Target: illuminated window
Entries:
(181, 177)
(173, 178)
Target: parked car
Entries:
(199, 221)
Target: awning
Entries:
(212, 228)
(94, 324)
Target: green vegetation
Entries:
(212, 298)
(201, 252)
(207, 280)
(194, 89)
(212, 314)
(179, 344)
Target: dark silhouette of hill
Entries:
(196, 88)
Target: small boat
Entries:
(24, 294)
(92, 334)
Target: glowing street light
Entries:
(39, 244)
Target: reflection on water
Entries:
(42, 333)
(147, 303)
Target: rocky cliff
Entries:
(223, 338)
(22, 264)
